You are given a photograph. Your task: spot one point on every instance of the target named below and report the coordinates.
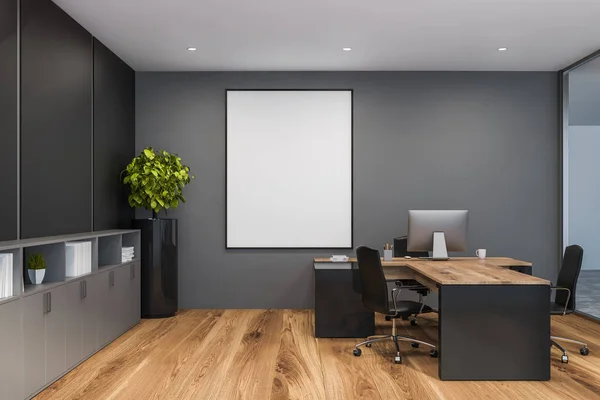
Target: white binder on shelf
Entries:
(6, 275)
(78, 258)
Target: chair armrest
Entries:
(568, 296)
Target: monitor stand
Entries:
(439, 247)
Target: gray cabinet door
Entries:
(55, 334)
(122, 289)
(109, 309)
(34, 344)
(11, 349)
(73, 323)
(90, 316)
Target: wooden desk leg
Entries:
(494, 332)
(339, 312)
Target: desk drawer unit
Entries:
(338, 306)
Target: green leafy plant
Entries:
(36, 261)
(156, 180)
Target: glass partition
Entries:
(581, 176)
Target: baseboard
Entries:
(587, 316)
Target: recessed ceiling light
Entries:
(347, 48)
(502, 48)
(192, 49)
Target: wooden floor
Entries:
(272, 354)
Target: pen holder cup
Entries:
(387, 255)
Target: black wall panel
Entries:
(56, 122)
(8, 119)
(114, 137)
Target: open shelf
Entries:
(132, 240)
(109, 250)
(54, 255)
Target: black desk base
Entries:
(486, 332)
(494, 332)
(339, 312)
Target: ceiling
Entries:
(266, 35)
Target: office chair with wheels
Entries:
(564, 302)
(375, 297)
(401, 250)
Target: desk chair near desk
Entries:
(564, 302)
(375, 297)
(401, 250)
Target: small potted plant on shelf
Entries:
(156, 180)
(36, 268)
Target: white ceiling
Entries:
(152, 35)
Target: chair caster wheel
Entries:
(357, 352)
(415, 345)
(564, 359)
(413, 322)
(368, 344)
(397, 360)
(433, 353)
(584, 351)
(388, 318)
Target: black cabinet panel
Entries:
(56, 122)
(8, 119)
(114, 136)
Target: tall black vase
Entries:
(158, 266)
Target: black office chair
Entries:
(401, 250)
(564, 302)
(375, 297)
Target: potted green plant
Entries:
(156, 180)
(36, 268)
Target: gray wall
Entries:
(487, 142)
(584, 192)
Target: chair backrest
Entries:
(374, 286)
(401, 248)
(568, 275)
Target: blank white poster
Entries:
(289, 169)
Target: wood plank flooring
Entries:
(272, 354)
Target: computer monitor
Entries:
(439, 231)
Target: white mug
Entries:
(481, 253)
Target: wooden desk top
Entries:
(465, 270)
